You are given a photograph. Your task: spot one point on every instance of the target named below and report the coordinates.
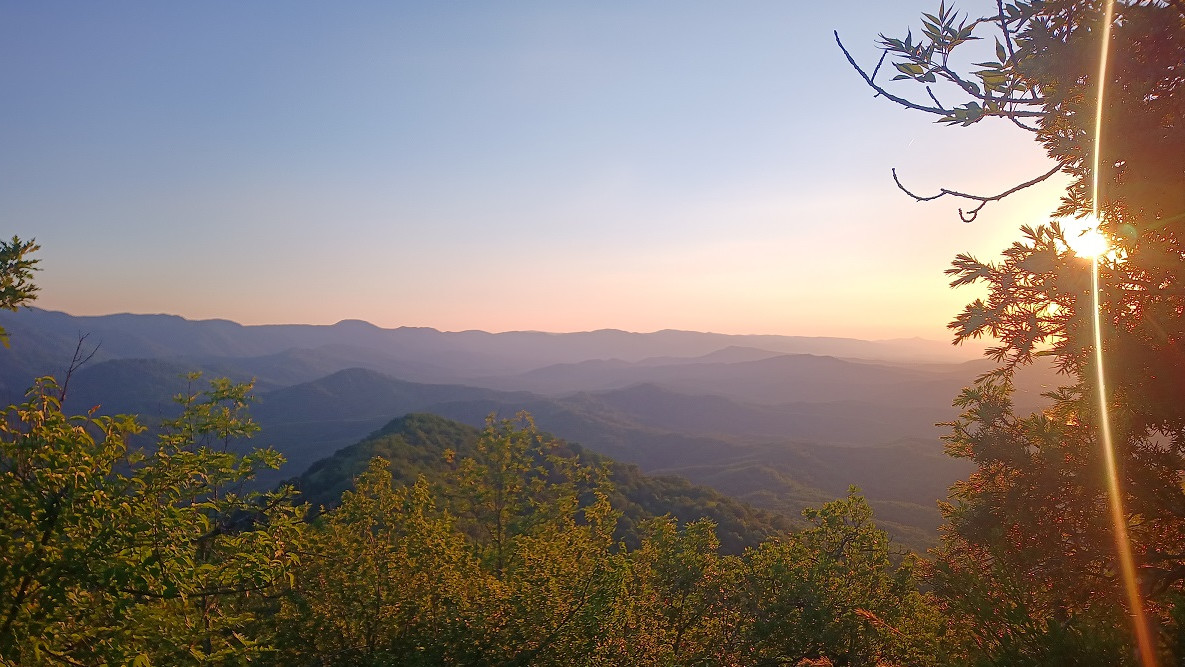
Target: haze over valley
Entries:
(780, 422)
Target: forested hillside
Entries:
(782, 427)
(417, 445)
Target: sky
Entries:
(554, 166)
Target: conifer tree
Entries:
(1028, 562)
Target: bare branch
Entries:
(931, 94)
(880, 62)
(969, 215)
(62, 657)
(78, 361)
(1028, 128)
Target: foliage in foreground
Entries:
(115, 556)
(506, 564)
(111, 554)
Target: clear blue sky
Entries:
(547, 165)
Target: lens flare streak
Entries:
(1118, 515)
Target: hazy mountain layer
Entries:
(640, 425)
(45, 340)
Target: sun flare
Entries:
(1084, 238)
(1089, 243)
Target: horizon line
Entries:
(349, 321)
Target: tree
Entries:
(114, 554)
(1028, 561)
(56, 542)
(508, 561)
(16, 276)
(1043, 79)
(541, 524)
(830, 592)
(386, 579)
(678, 603)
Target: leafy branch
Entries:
(16, 276)
(999, 89)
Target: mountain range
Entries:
(781, 422)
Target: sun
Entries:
(1083, 237)
(1089, 243)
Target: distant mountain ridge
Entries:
(779, 378)
(48, 338)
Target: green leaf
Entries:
(911, 69)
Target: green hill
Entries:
(415, 445)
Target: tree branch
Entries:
(1027, 128)
(227, 590)
(969, 215)
(1004, 29)
(867, 79)
(931, 94)
(51, 525)
(986, 96)
(884, 54)
(527, 657)
(78, 361)
(62, 657)
(953, 78)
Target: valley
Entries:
(778, 422)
